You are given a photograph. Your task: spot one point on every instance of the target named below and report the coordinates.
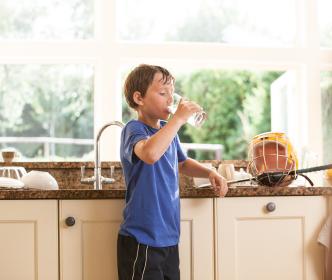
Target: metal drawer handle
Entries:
(271, 206)
(70, 221)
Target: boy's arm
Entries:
(150, 150)
(193, 168)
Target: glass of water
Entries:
(197, 119)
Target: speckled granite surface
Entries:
(68, 176)
(193, 193)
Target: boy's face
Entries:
(157, 99)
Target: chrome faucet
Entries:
(97, 179)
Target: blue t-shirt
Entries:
(152, 212)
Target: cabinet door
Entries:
(28, 239)
(196, 241)
(88, 248)
(256, 244)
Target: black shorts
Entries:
(153, 263)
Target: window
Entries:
(46, 81)
(46, 19)
(47, 110)
(255, 22)
(196, 40)
(238, 103)
(326, 92)
(325, 23)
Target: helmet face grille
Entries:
(272, 160)
(275, 179)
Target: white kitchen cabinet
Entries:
(248, 241)
(29, 239)
(88, 248)
(196, 246)
(256, 244)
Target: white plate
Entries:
(206, 185)
(202, 183)
(10, 183)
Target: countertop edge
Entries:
(66, 194)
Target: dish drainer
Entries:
(15, 172)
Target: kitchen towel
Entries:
(325, 238)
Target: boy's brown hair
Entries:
(141, 78)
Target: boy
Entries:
(151, 157)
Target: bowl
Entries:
(6, 182)
(39, 180)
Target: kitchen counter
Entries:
(68, 176)
(12, 194)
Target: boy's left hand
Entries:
(218, 182)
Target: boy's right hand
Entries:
(186, 109)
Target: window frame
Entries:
(108, 56)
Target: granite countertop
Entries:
(68, 176)
(8, 194)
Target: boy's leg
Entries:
(126, 253)
(135, 260)
(172, 264)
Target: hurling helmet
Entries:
(272, 159)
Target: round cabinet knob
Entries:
(70, 221)
(271, 206)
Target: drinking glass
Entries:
(197, 119)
